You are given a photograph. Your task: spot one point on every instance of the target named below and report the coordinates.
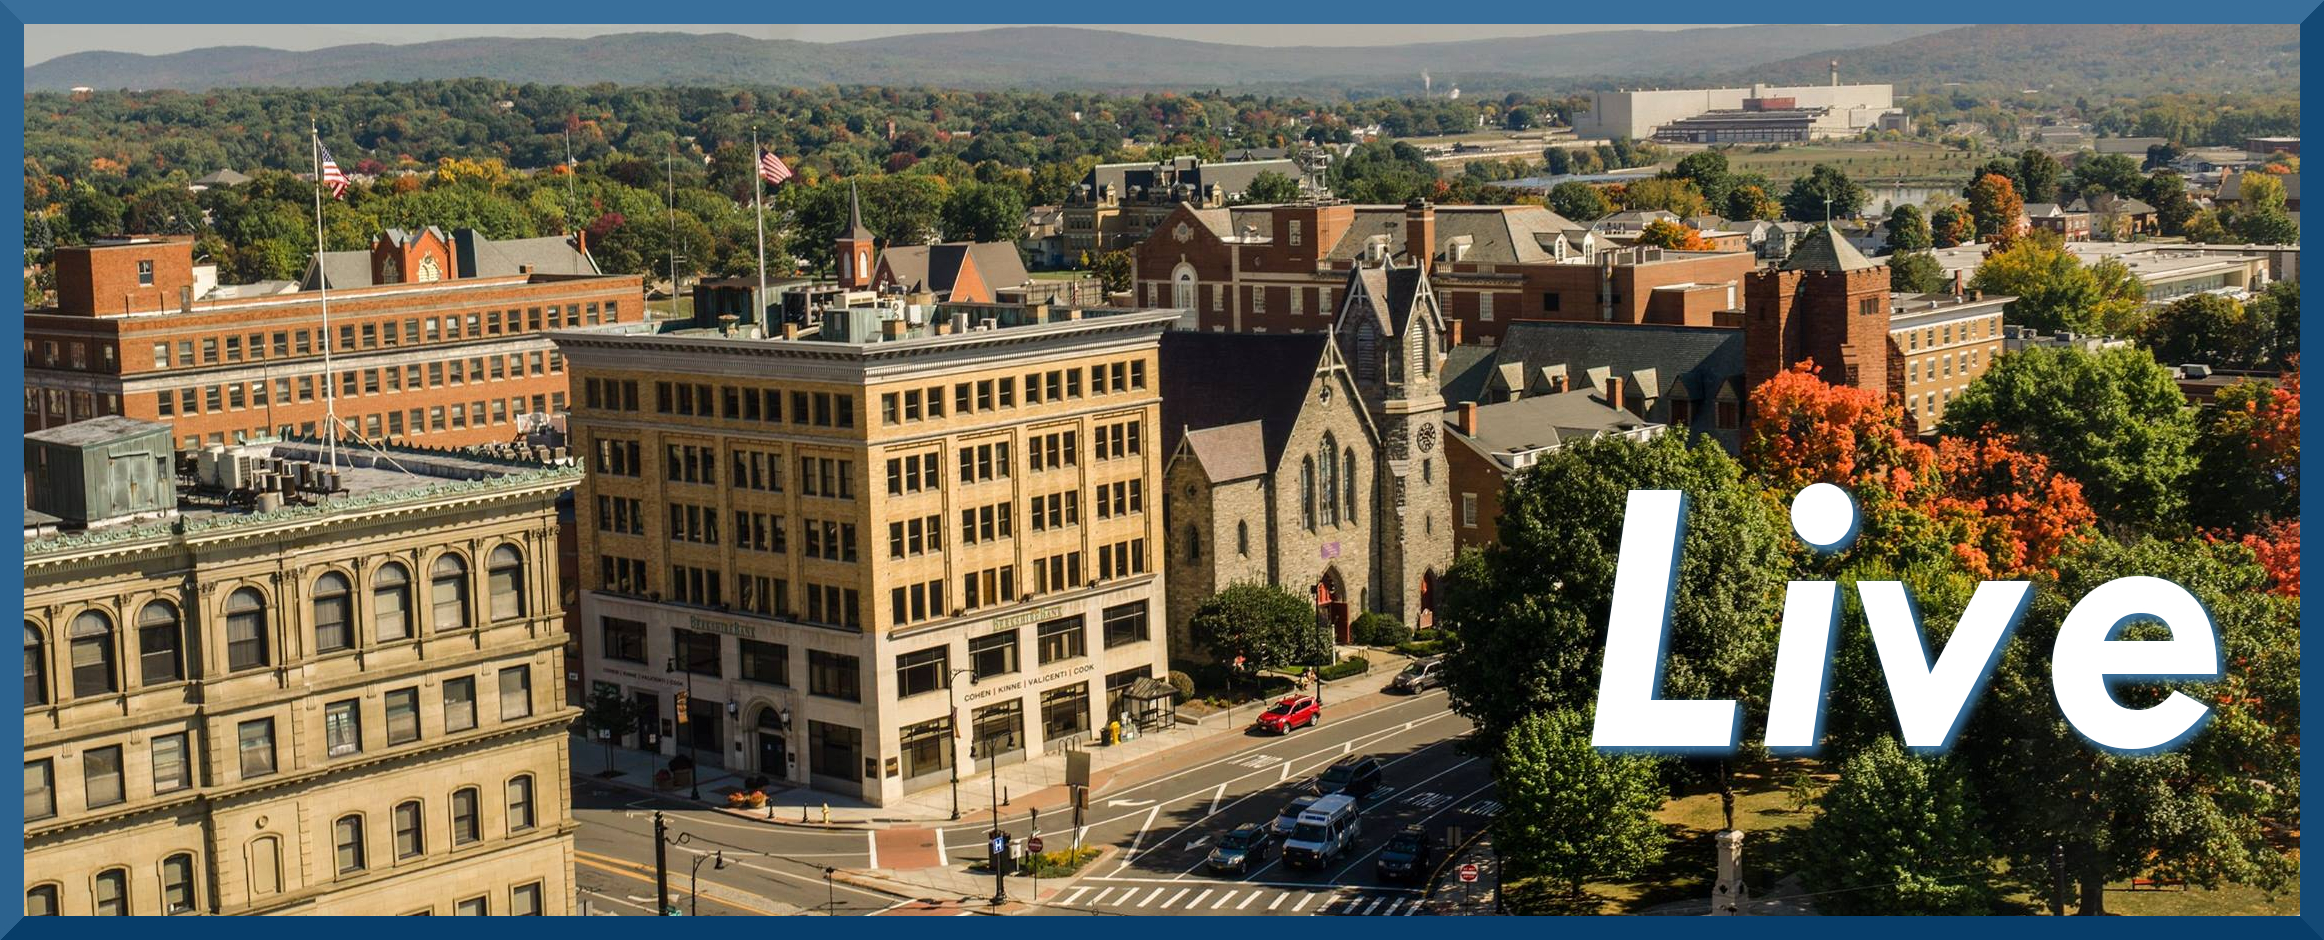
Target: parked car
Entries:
(1326, 831)
(1292, 713)
(1356, 776)
(1407, 855)
(1421, 676)
(1289, 817)
(1241, 850)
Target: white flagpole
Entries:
(758, 185)
(323, 291)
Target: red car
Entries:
(1293, 712)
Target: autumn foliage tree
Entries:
(2248, 447)
(1664, 233)
(1996, 206)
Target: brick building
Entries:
(1826, 303)
(1487, 445)
(1937, 344)
(424, 355)
(1282, 268)
(1118, 205)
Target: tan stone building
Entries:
(320, 704)
(811, 535)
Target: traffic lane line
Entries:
(1448, 807)
(1361, 811)
(1391, 817)
(1264, 749)
(817, 880)
(1326, 754)
(619, 867)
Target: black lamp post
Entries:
(993, 776)
(694, 879)
(952, 733)
(694, 763)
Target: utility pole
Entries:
(661, 865)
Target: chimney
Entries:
(892, 329)
(1456, 333)
(1957, 284)
(1557, 383)
(1468, 419)
(1614, 392)
(581, 240)
(1976, 295)
(1420, 232)
(790, 331)
(525, 269)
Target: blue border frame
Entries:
(19, 12)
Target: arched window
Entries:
(448, 593)
(1182, 287)
(160, 644)
(245, 630)
(334, 614)
(466, 826)
(504, 583)
(520, 803)
(112, 892)
(1193, 543)
(347, 838)
(40, 901)
(1307, 492)
(177, 883)
(1348, 481)
(1243, 539)
(411, 840)
(391, 603)
(35, 668)
(92, 652)
(1330, 485)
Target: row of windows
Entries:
(922, 535)
(910, 405)
(1932, 337)
(95, 651)
(170, 756)
(995, 654)
(356, 383)
(687, 399)
(1929, 367)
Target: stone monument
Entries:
(1727, 896)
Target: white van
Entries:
(1325, 831)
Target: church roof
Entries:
(1824, 250)
(1220, 380)
(1230, 452)
(1388, 294)
(936, 268)
(855, 229)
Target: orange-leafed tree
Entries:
(2249, 450)
(2015, 512)
(1664, 233)
(2277, 546)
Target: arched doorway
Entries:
(1427, 599)
(1331, 603)
(773, 747)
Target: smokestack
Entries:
(1835, 73)
(1614, 393)
(1468, 419)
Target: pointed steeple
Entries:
(855, 229)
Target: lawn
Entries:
(1059, 275)
(1904, 161)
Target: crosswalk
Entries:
(1222, 899)
(1482, 808)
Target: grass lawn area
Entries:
(1899, 160)
(1059, 275)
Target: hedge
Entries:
(1351, 666)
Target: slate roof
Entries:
(1465, 370)
(1390, 294)
(225, 177)
(1218, 381)
(2127, 206)
(554, 254)
(1496, 234)
(1538, 421)
(341, 269)
(1701, 357)
(1231, 177)
(1824, 250)
(855, 229)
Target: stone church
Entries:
(1311, 460)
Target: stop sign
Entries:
(1469, 873)
(1033, 844)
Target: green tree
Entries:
(1915, 272)
(1898, 834)
(1675, 196)
(2248, 448)
(1579, 201)
(1805, 201)
(2113, 420)
(984, 212)
(2053, 290)
(2267, 227)
(2277, 311)
(1524, 619)
(1270, 187)
(2167, 192)
(2209, 329)
(1951, 226)
(2203, 811)
(2115, 173)
(1707, 170)
(1908, 230)
(1117, 269)
(608, 716)
(1751, 201)
(1571, 813)
(2038, 174)
(1269, 627)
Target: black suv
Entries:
(1406, 856)
(1354, 776)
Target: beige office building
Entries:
(247, 696)
(812, 536)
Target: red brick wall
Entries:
(1473, 473)
(101, 280)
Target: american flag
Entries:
(332, 175)
(771, 168)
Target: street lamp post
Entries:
(993, 775)
(661, 865)
(694, 880)
(952, 733)
(694, 763)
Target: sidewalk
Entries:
(1447, 894)
(1037, 781)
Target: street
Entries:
(1162, 830)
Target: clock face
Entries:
(1427, 437)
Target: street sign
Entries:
(1033, 845)
(1469, 873)
(1000, 844)
(1077, 768)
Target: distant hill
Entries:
(1017, 57)
(2138, 59)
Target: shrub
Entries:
(1182, 683)
(1378, 629)
(1418, 649)
(1351, 666)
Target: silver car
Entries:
(1420, 676)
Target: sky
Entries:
(47, 41)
